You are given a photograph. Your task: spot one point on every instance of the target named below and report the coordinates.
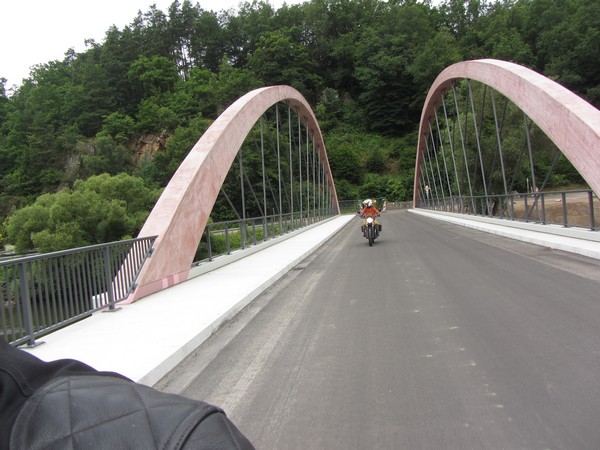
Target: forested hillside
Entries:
(364, 65)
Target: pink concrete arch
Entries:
(569, 121)
(182, 211)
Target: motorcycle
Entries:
(371, 229)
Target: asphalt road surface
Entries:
(437, 337)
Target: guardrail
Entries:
(41, 293)
(577, 208)
(222, 238)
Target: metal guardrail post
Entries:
(227, 245)
(591, 206)
(208, 244)
(563, 197)
(512, 207)
(26, 306)
(108, 280)
(243, 233)
(543, 201)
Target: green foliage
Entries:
(194, 97)
(25, 222)
(344, 162)
(100, 209)
(155, 117)
(346, 190)
(391, 187)
(119, 126)
(107, 156)
(2, 234)
(152, 76)
(230, 84)
(376, 161)
(280, 59)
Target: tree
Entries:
(194, 97)
(345, 190)
(344, 162)
(155, 117)
(229, 85)
(383, 57)
(118, 126)
(567, 41)
(108, 156)
(243, 31)
(152, 76)
(439, 51)
(100, 209)
(376, 161)
(3, 101)
(280, 59)
(41, 128)
(27, 221)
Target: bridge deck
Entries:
(438, 336)
(147, 339)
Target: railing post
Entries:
(265, 226)
(591, 205)
(227, 246)
(108, 280)
(26, 306)
(512, 207)
(243, 233)
(563, 197)
(208, 244)
(543, 200)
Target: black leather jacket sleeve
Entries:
(67, 404)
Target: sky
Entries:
(38, 31)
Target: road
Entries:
(437, 337)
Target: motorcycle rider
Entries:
(369, 210)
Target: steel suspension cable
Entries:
(439, 134)
(463, 143)
(479, 147)
(451, 141)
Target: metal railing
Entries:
(41, 293)
(577, 208)
(222, 238)
(354, 206)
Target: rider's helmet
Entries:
(368, 202)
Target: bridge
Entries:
(455, 330)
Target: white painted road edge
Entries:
(147, 339)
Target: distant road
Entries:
(437, 337)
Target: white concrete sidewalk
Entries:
(148, 338)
